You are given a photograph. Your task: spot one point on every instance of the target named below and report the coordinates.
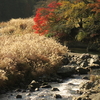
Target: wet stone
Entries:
(82, 70)
(33, 85)
(11, 94)
(57, 96)
(28, 94)
(41, 95)
(19, 96)
(54, 89)
(37, 89)
(31, 88)
(85, 77)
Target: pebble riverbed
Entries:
(67, 90)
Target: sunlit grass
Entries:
(17, 26)
(24, 53)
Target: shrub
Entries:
(29, 55)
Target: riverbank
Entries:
(65, 90)
(91, 89)
(25, 56)
(86, 66)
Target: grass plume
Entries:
(25, 54)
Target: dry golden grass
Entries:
(24, 53)
(30, 53)
(17, 26)
(19, 48)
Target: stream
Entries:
(67, 90)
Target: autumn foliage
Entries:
(59, 19)
(42, 18)
(95, 6)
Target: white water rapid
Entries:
(68, 89)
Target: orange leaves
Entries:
(95, 6)
(98, 0)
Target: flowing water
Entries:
(67, 90)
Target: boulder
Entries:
(94, 66)
(95, 59)
(82, 70)
(33, 85)
(79, 61)
(65, 60)
(31, 88)
(86, 85)
(84, 64)
(66, 71)
(18, 96)
(37, 89)
(54, 89)
(85, 56)
(57, 96)
(28, 94)
(85, 77)
(90, 90)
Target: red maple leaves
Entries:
(42, 16)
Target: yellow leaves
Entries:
(81, 35)
(70, 23)
(89, 23)
(79, 5)
(65, 4)
(89, 19)
(74, 10)
(79, 9)
(66, 8)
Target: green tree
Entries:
(72, 15)
(75, 16)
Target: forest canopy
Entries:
(69, 19)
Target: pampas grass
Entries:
(26, 54)
(20, 49)
(17, 26)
